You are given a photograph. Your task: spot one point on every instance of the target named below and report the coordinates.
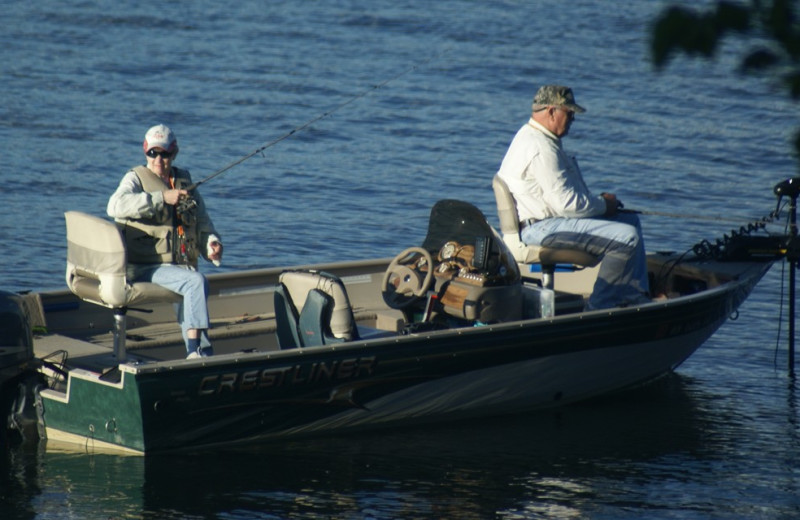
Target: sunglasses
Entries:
(153, 153)
(570, 114)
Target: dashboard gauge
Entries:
(449, 250)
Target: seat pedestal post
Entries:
(548, 276)
(120, 331)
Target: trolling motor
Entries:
(790, 188)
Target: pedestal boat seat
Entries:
(96, 272)
(525, 255)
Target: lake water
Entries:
(423, 98)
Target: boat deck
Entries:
(243, 318)
(81, 333)
(163, 341)
(92, 348)
(84, 330)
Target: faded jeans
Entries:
(622, 277)
(192, 312)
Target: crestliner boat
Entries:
(450, 329)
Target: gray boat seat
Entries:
(525, 254)
(311, 309)
(96, 272)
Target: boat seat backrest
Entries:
(286, 319)
(509, 224)
(96, 265)
(312, 308)
(527, 254)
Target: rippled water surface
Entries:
(408, 102)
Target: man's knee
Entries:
(634, 239)
(628, 236)
(198, 281)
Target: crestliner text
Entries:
(338, 370)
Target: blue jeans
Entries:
(192, 312)
(622, 277)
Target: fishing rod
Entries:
(679, 215)
(313, 120)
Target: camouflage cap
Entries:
(556, 95)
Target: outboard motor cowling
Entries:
(16, 337)
(19, 380)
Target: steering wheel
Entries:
(404, 281)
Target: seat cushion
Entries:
(549, 256)
(299, 284)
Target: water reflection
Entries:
(19, 483)
(561, 463)
(47, 482)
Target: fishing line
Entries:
(679, 215)
(310, 122)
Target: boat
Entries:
(453, 328)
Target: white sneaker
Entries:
(193, 355)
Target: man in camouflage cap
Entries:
(556, 96)
(557, 210)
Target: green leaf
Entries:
(732, 17)
(679, 29)
(759, 60)
(792, 81)
(797, 144)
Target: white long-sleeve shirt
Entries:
(544, 180)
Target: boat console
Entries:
(462, 271)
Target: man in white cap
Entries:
(166, 229)
(556, 209)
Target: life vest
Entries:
(166, 237)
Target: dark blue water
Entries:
(423, 98)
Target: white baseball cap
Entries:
(160, 136)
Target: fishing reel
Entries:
(187, 210)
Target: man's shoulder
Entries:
(134, 175)
(532, 140)
(539, 135)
